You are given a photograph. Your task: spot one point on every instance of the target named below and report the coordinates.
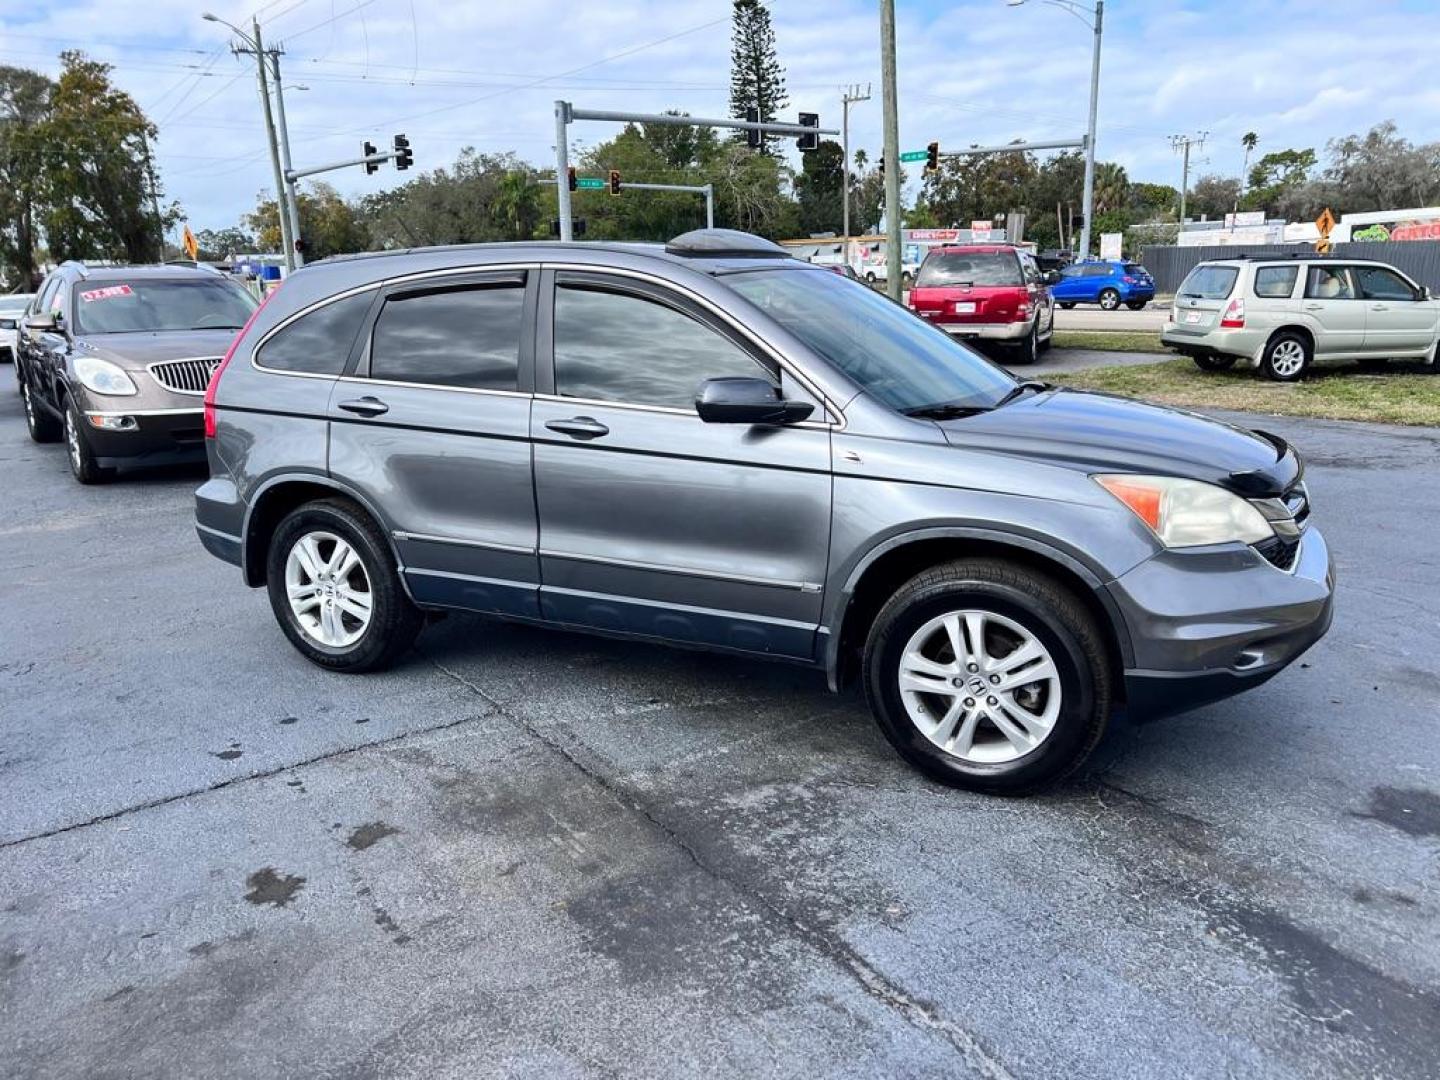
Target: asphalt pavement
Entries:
(535, 853)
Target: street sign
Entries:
(590, 183)
(915, 155)
(1325, 222)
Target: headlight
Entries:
(103, 377)
(1188, 513)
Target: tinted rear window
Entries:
(1135, 268)
(318, 343)
(1275, 281)
(464, 336)
(956, 268)
(1210, 282)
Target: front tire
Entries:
(1109, 299)
(987, 675)
(335, 589)
(1287, 357)
(78, 451)
(43, 427)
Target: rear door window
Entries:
(997, 268)
(1275, 282)
(1329, 283)
(462, 335)
(319, 342)
(1209, 282)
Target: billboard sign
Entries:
(1110, 244)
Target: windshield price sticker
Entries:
(106, 293)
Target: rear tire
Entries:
(1287, 357)
(346, 615)
(43, 427)
(1213, 363)
(78, 451)
(1053, 722)
(1029, 350)
(1109, 299)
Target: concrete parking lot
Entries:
(541, 854)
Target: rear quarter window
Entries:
(1209, 282)
(318, 342)
(1275, 282)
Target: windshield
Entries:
(128, 307)
(890, 352)
(957, 268)
(1209, 282)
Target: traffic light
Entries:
(404, 156)
(753, 138)
(881, 167)
(932, 157)
(614, 181)
(368, 150)
(300, 245)
(811, 141)
(571, 178)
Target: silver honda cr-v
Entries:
(712, 444)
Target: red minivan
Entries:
(994, 292)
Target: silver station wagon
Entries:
(711, 444)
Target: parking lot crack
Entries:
(232, 781)
(915, 1011)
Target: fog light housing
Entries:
(113, 423)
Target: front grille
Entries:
(185, 376)
(1278, 552)
(1288, 516)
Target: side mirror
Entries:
(1052, 277)
(745, 400)
(41, 324)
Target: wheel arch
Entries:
(892, 562)
(277, 497)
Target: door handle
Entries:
(1314, 307)
(365, 406)
(1378, 307)
(578, 427)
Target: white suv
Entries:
(1282, 314)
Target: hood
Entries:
(1101, 433)
(134, 351)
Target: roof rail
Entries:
(78, 265)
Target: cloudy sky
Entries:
(484, 73)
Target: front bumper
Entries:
(1209, 624)
(146, 436)
(1007, 331)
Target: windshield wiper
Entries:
(1020, 388)
(942, 411)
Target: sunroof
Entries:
(730, 243)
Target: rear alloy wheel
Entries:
(987, 675)
(1213, 362)
(1287, 358)
(335, 590)
(1109, 299)
(40, 424)
(78, 451)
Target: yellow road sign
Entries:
(1325, 222)
(188, 242)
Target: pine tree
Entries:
(757, 81)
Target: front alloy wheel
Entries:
(81, 457)
(980, 686)
(1109, 299)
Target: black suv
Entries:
(117, 359)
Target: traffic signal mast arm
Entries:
(370, 158)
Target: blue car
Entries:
(1107, 282)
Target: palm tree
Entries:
(517, 204)
(861, 160)
(1112, 187)
(1249, 141)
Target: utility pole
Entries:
(850, 95)
(296, 257)
(894, 257)
(1181, 144)
(154, 195)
